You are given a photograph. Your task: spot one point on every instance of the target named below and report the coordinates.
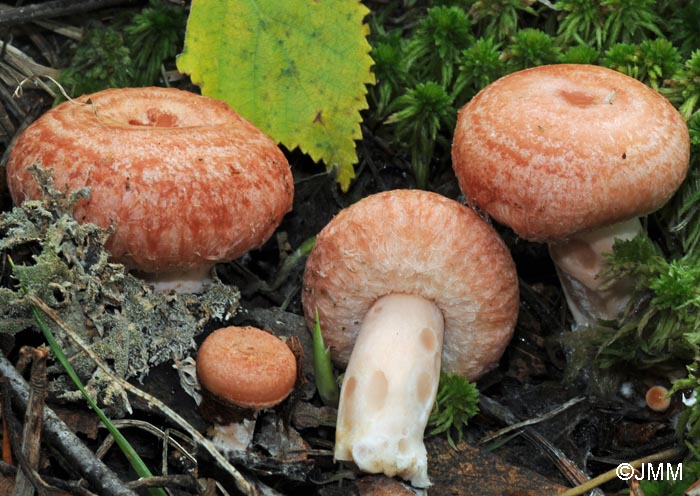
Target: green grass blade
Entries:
(323, 369)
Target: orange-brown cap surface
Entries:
(184, 179)
(657, 398)
(560, 149)
(246, 366)
(414, 242)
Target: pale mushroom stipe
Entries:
(572, 155)
(405, 282)
(182, 178)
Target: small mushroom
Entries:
(248, 370)
(182, 178)
(572, 155)
(657, 398)
(406, 281)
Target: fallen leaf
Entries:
(297, 69)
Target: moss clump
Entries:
(130, 51)
(101, 60)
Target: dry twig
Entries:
(13, 427)
(58, 8)
(532, 421)
(17, 66)
(33, 419)
(668, 454)
(567, 467)
(57, 433)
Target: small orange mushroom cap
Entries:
(657, 398)
(561, 149)
(185, 181)
(247, 367)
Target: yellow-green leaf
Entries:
(297, 69)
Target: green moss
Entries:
(101, 60)
(153, 36)
(419, 115)
(479, 65)
(581, 23)
(457, 401)
(435, 47)
(128, 52)
(580, 54)
(651, 61)
(499, 19)
(531, 47)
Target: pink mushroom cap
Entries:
(561, 149)
(247, 367)
(420, 243)
(185, 181)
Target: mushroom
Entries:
(403, 282)
(184, 181)
(657, 398)
(572, 155)
(244, 370)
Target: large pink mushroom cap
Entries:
(420, 243)
(185, 181)
(561, 149)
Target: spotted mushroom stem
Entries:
(579, 261)
(389, 388)
(184, 281)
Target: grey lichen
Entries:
(127, 324)
(15, 312)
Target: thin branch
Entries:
(57, 433)
(668, 454)
(13, 428)
(58, 8)
(33, 419)
(24, 63)
(186, 482)
(567, 467)
(166, 438)
(532, 421)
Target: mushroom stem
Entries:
(579, 261)
(184, 281)
(389, 388)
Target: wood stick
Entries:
(33, 420)
(14, 427)
(102, 478)
(18, 15)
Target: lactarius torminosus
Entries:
(247, 369)
(404, 282)
(183, 179)
(572, 155)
